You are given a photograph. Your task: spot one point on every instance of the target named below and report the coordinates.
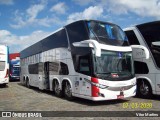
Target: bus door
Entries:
(85, 69)
(158, 82)
(44, 75)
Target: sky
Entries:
(25, 22)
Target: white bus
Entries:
(147, 71)
(4, 65)
(87, 59)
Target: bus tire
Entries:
(27, 83)
(68, 91)
(4, 85)
(23, 82)
(57, 90)
(144, 89)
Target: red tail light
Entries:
(95, 89)
(7, 73)
(10, 72)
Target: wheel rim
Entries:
(27, 83)
(57, 89)
(144, 89)
(68, 91)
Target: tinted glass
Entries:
(15, 70)
(77, 32)
(56, 40)
(107, 33)
(64, 69)
(151, 34)
(84, 65)
(141, 67)
(132, 37)
(58, 68)
(33, 68)
(114, 63)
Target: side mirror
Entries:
(142, 47)
(156, 43)
(89, 43)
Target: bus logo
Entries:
(6, 114)
(120, 55)
(115, 75)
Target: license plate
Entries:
(120, 96)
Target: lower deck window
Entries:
(2, 65)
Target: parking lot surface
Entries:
(15, 97)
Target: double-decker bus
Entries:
(4, 65)
(14, 71)
(88, 59)
(147, 70)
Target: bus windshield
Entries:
(106, 33)
(114, 65)
(151, 34)
(15, 70)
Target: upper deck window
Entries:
(150, 33)
(107, 33)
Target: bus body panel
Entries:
(56, 59)
(14, 72)
(153, 73)
(4, 65)
(158, 83)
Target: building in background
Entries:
(14, 66)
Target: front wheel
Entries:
(4, 85)
(144, 89)
(68, 91)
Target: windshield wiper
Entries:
(93, 33)
(104, 73)
(127, 74)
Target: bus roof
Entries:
(38, 44)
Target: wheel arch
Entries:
(67, 80)
(57, 79)
(23, 79)
(27, 77)
(146, 79)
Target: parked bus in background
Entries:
(14, 73)
(147, 70)
(4, 65)
(88, 59)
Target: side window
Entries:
(51, 41)
(33, 68)
(64, 69)
(56, 68)
(77, 32)
(141, 67)
(132, 37)
(84, 66)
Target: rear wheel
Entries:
(144, 89)
(27, 83)
(4, 85)
(68, 91)
(57, 89)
